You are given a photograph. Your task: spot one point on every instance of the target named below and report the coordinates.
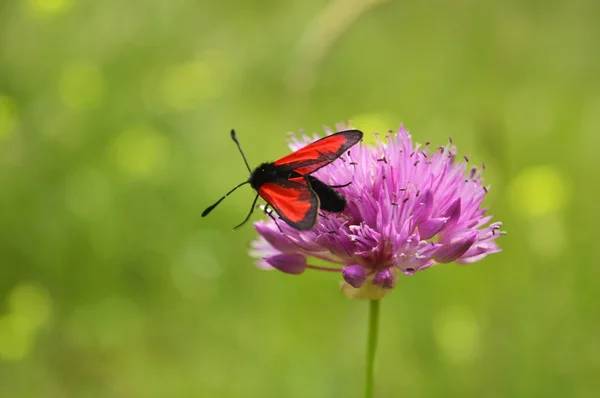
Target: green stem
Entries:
(371, 346)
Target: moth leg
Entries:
(340, 186)
(249, 214)
(269, 212)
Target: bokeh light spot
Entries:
(457, 334)
(30, 308)
(141, 152)
(369, 123)
(538, 191)
(15, 344)
(48, 7)
(82, 85)
(7, 118)
(32, 302)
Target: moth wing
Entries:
(293, 200)
(320, 153)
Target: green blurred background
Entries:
(114, 136)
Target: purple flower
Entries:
(408, 207)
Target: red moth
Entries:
(287, 185)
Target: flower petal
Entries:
(453, 250)
(270, 232)
(424, 206)
(453, 214)
(478, 251)
(429, 228)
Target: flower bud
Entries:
(384, 279)
(355, 275)
(290, 263)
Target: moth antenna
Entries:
(249, 214)
(209, 208)
(234, 138)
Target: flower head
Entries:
(408, 207)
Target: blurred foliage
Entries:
(114, 121)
